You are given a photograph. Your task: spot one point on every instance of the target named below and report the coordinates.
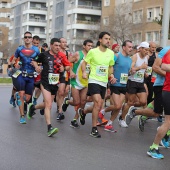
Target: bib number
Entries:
(149, 70)
(16, 74)
(154, 75)
(101, 70)
(53, 78)
(123, 78)
(139, 75)
(88, 68)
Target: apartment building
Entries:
(144, 13)
(27, 15)
(4, 22)
(83, 21)
(56, 18)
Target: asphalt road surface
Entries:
(27, 147)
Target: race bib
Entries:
(101, 70)
(88, 68)
(149, 70)
(154, 75)
(139, 75)
(53, 78)
(123, 78)
(16, 74)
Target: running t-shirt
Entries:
(79, 82)
(121, 69)
(26, 55)
(166, 60)
(160, 79)
(138, 76)
(99, 65)
(51, 64)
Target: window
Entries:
(137, 38)
(156, 36)
(137, 16)
(106, 21)
(88, 3)
(148, 36)
(150, 14)
(106, 2)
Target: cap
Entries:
(114, 45)
(45, 45)
(159, 49)
(144, 45)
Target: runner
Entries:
(154, 109)
(64, 85)
(24, 77)
(164, 128)
(115, 48)
(118, 90)
(135, 84)
(78, 84)
(101, 67)
(54, 62)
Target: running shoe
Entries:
(31, 110)
(74, 124)
(65, 105)
(12, 101)
(109, 128)
(22, 120)
(94, 133)
(141, 123)
(34, 101)
(82, 116)
(101, 122)
(154, 153)
(122, 123)
(164, 143)
(41, 111)
(130, 115)
(159, 118)
(60, 116)
(52, 131)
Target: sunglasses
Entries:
(27, 37)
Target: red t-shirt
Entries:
(166, 60)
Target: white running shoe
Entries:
(122, 123)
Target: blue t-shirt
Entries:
(122, 65)
(26, 55)
(160, 79)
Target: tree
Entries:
(120, 23)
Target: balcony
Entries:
(90, 7)
(83, 9)
(84, 24)
(35, 22)
(35, 10)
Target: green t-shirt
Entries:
(99, 63)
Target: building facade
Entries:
(27, 15)
(4, 22)
(83, 21)
(144, 27)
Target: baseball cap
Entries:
(45, 45)
(114, 45)
(144, 45)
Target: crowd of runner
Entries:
(135, 79)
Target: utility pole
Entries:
(165, 23)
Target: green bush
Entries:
(5, 80)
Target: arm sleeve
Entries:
(17, 53)
(65, 61)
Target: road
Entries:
(27, 147)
